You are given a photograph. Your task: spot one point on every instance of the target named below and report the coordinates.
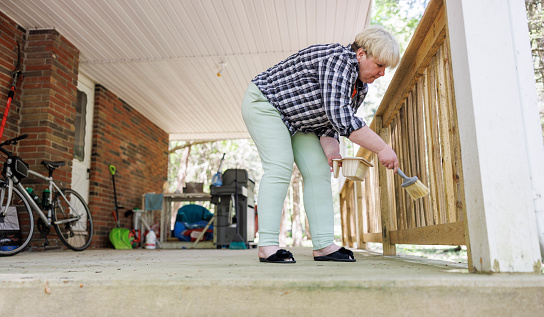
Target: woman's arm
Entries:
(368, 139)
(331, 147)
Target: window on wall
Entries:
(81, 112)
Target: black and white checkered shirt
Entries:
(316, 90)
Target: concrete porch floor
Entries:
(211, 282)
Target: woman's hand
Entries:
(334, 156)
(388, 158)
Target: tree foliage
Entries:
(204, 159)
(535, 20)
(401, 17)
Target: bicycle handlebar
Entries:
(14, 140)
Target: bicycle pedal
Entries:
(45, 242)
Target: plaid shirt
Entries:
(316, 90)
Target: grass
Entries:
(451, 253)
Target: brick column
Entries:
(50, 93)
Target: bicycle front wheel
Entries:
(72, 220)
(16, 222)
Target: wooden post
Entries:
(385, 212)
(501, 153)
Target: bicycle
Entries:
(61, 208)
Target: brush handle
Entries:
(401, 174)
(407, 180)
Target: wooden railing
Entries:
(418, 119)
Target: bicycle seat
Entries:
(53, 164)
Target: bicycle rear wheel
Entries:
(16, 224)
(72, 220)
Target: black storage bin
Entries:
(235, 181)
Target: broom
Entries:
(413, 186)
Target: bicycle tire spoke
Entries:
(74, 233)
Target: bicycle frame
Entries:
(37, 209)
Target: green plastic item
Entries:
(112, 170)
(120, 239)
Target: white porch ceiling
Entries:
(162, 56)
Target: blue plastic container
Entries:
(8, 247)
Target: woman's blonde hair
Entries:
(380, 44)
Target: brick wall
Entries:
(136, 147)
(44, 108)
(49, 94)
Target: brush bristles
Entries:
(417, 190)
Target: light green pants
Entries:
(278, 150)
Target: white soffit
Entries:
(162, 56)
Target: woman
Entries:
(295, 112)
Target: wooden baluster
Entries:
(412, 152)
(343, 212)
(436, 168)
(385, 211)
(360, 221)
(423, 172)
(445, 139)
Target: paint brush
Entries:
(413, 186)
